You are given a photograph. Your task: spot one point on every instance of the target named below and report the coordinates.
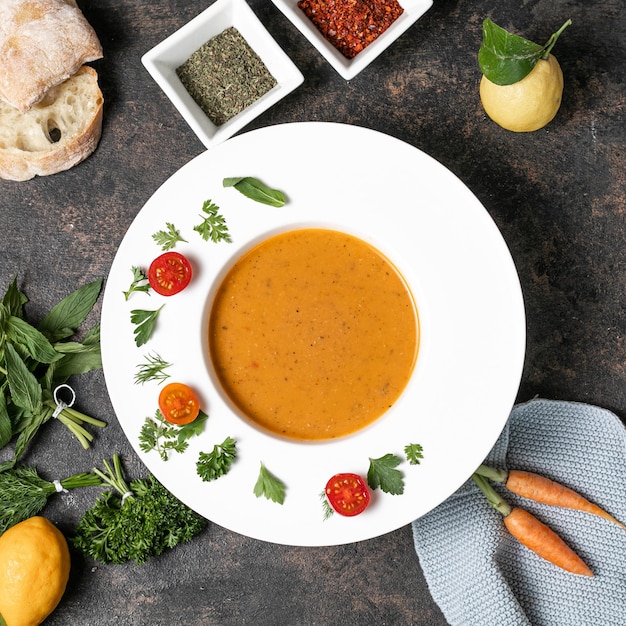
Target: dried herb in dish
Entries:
(225, 76)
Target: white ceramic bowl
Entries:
(349, 68)
(162, 61)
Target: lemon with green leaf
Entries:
(522, 84)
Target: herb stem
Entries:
(550, 43)
(84, 418)
(114, 476)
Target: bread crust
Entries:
(57, 133)
(42, 43)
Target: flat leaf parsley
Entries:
(269, 486)
(145, 323)
(382, 473)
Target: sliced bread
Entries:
(58, 132)
(42, 43)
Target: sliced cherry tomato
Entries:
(348, 494)
(178, 403)
(169, 273)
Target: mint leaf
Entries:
(254, 189)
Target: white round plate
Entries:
(455, 261)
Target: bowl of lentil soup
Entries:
(221, 70)
(350, 35)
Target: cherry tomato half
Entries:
(178, 403)
(348, 494)
(169, 273)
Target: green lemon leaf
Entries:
(505, 58)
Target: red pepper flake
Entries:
(351, 25)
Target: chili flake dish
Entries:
(367, 33)
(471, 323)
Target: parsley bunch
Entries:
(134, 522)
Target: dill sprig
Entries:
(25, 493)
(153, 369)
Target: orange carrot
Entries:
(541, 489)
(532, 533)
(542, 540)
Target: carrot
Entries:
(542, 540)
(532, 533)
(541, 489)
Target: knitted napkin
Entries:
(481, 576)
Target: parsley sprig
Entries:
(213, 227)
(159, 435)
(382, 473)
(414, 453)
(138, 284)
(269, 486)
(168, 239)
(216, 463)
(145, 323)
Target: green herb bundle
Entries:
(25, 493)
(135, 521)
(34, 361)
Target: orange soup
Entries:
(313, 334)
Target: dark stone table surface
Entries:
(557, 195)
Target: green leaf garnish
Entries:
(505, 58)
(139, 283)
(213, 227)
(328, 510)
(145, 322)
(216, 463)
(269, 486)
(414, 453)
(135, 522)
(193, 428)
(168, 239)
(157, 434)
(382, 473)
(153, 369)
(254, 189)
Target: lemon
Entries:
(528, 104)
(34, 569)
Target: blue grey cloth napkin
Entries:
(481, 576)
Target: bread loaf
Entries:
(42, 43)
(57, 133)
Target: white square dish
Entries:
(349, 68)
(163, 60)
